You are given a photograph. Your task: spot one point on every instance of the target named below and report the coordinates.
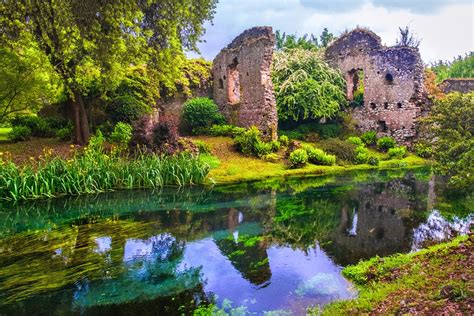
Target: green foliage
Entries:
(225, 130)
(423, 150)
(319, 157)
(26, 84)
(250, 143)
(121, 135)
(196, 75)
(342, 149)
(308, 42)
(373, 160)
(397, 152)
(355, 140)
(65, 133)
(94, 171)
(362, 155)
(298, 158)
(284, 140)
(19, 134)
(385, 143)
(203, 148)
(460, 67)
(126, 108)
(306, 130)
(39, 127)
(306, 87)
(201, 113)
(369, 138)
(452, 128)
(90, 44)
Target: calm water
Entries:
(263, 246)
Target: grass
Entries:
(4, 133)
(234, 167)
(95, 170)
(431, 281)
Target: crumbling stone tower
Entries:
(392, 79)
(243, 88)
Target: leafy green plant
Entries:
(39, 127)
(121, 135)
(95, 170)
(369, 138)
(201, 113)
(423, 150)
(319, 157)
(247, 141)
(224, 130)
(275, 145)
(342, 149)
(362, 155)
(65, 133)
(127, 108)
(355, 140)
(306, 87)
(385, 143)
(397, 152)
(19, 134)
(284, 140)
(298, 158)
(373, 161)
(203, 148)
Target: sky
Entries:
(445, 27)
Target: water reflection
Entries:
(267, 246)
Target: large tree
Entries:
(90, 41)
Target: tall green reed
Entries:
(95, 170)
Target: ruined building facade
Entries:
(392, 78)
(463, 85)
(243, 89)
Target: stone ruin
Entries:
(393, 83)
(242, 88)
(463, 85)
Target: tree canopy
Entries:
(460, 67)
(306, 87)
(311, 42)
(89, 42)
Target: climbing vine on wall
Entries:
(306, 87)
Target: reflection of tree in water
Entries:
(152, 269)
(247, 253)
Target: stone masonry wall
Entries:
(243, 88)
(463, 85)
(393, 83)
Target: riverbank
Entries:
(235, 167)
(434, 281)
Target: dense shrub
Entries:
(199, 113)
(306, 87)
(202, 147)
(397, 152)
(373, 160)
(319, 157)
(323, 131)
(298, 158)
(121, 135)
(95, 170)
(39, 127)
(65, 134)
(127, 109)
(247, 141)
(262, 148)
(343, 150)
(362, 155)
(224, 130)
(165, 135)
(284, 140)
(385, 143)
(19, 134)
(275, 145)
(355, 140)
(369, 138)
(423, 150)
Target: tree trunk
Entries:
(79, 118)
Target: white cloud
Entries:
(445, 32)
